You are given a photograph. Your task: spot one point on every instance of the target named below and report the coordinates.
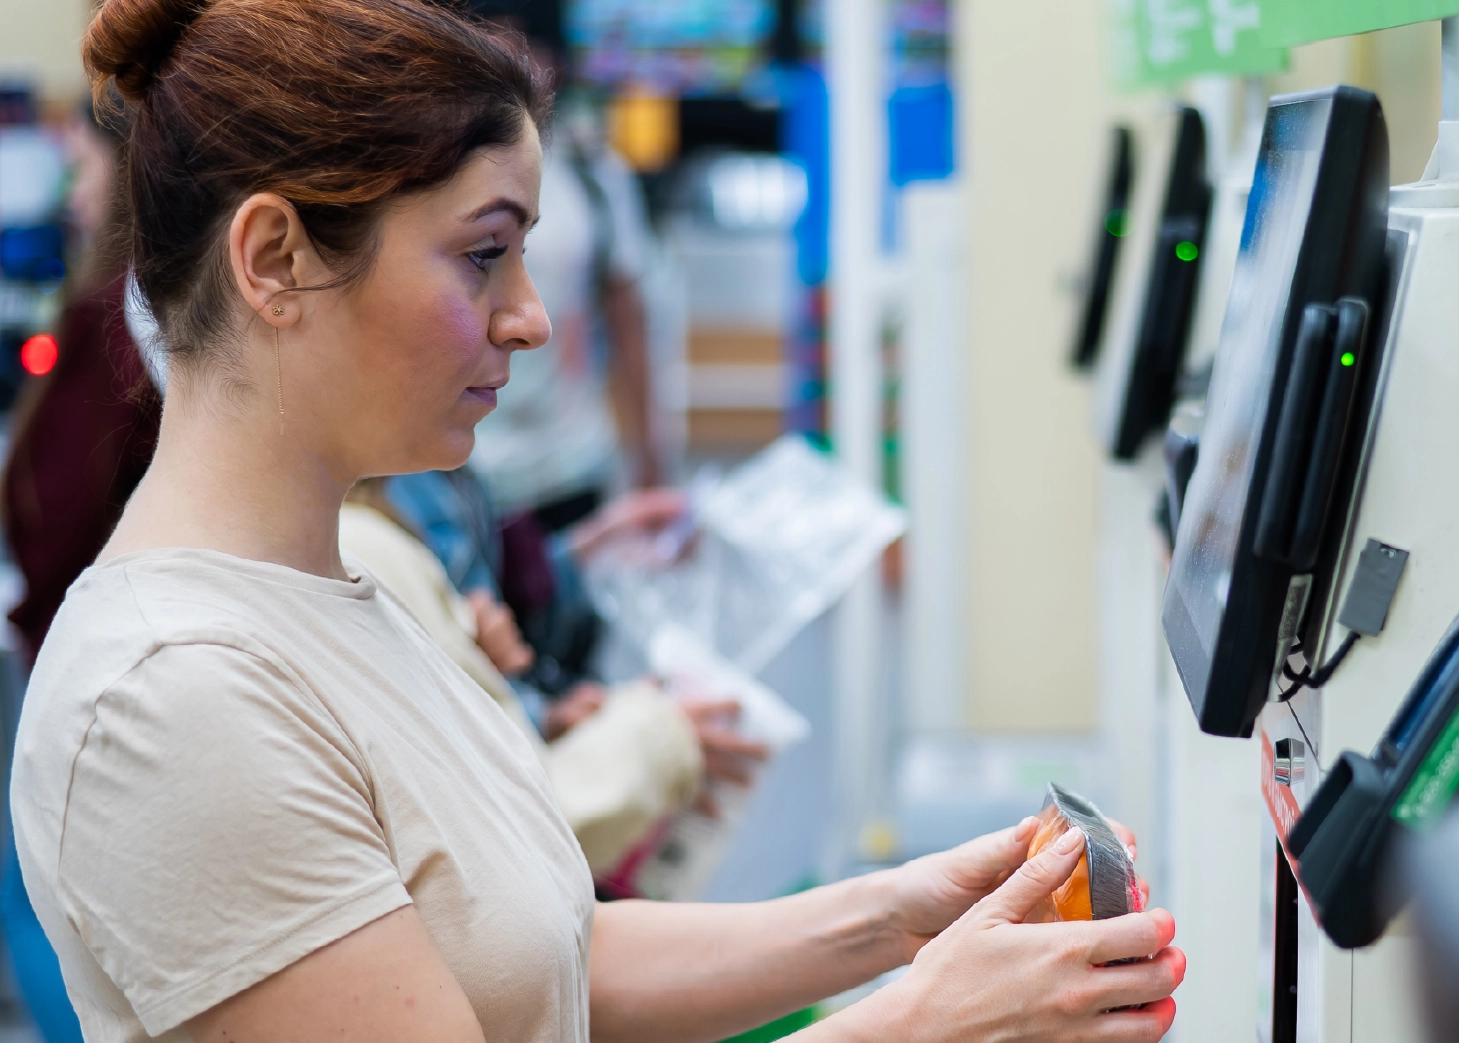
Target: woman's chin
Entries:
(456, 450)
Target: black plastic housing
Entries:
(1107, 239)
(1342, 842)
(1223, 601)
(1170, 293)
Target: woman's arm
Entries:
(385, 983)
(690, 973)
(703, 972)
(665, 971)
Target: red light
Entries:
(38, 355)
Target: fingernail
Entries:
(1070, 841)
(1130, 850)
(1025, 827)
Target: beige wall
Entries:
(1401, 66)
(1034, 131)
(42, 38)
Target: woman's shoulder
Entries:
(121, 611)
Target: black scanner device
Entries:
(1343, 842)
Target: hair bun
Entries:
(131, 39)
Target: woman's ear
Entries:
(270, 254)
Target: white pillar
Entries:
(856, 81)
(934, 652)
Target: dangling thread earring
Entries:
(279, 368)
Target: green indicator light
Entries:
(1187, 251)
(1347, 358)
(1117, 223)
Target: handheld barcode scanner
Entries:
(1342, 844)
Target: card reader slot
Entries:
(1343, 364)
(1282, 497)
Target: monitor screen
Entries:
(1222, 606)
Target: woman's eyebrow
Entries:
(499, 206)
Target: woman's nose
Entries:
(521, 323)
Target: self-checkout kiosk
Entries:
(1315, 577)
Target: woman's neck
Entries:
(225, 478)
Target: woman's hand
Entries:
(989, 976)
(929, 893)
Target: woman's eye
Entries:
(483, 258)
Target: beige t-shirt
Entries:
(224, 765)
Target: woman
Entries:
(253, 800)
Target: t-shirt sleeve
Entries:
(219, 827)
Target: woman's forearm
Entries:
(678, 973)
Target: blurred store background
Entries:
(867, 226)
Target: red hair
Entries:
(336, 105)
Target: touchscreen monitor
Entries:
(1314, 232)
(1114, 218)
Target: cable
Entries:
(1298, 722)
(1310, 678)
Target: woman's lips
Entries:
(485, 395)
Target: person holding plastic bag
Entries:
(286, 813)
(523, 583)
(615, 773)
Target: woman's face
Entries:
(401, 366)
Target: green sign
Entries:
(1161, 42)
(1286, 23)
(1433, 785)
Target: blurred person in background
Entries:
(579, 414)
(84, 435)
(85, 432)
(524, 582)
(617, 768)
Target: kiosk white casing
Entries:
(1407, 497)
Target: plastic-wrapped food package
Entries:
(1104, 883)
(765, 549)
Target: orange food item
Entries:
(1103, 883)
(1071, 900)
